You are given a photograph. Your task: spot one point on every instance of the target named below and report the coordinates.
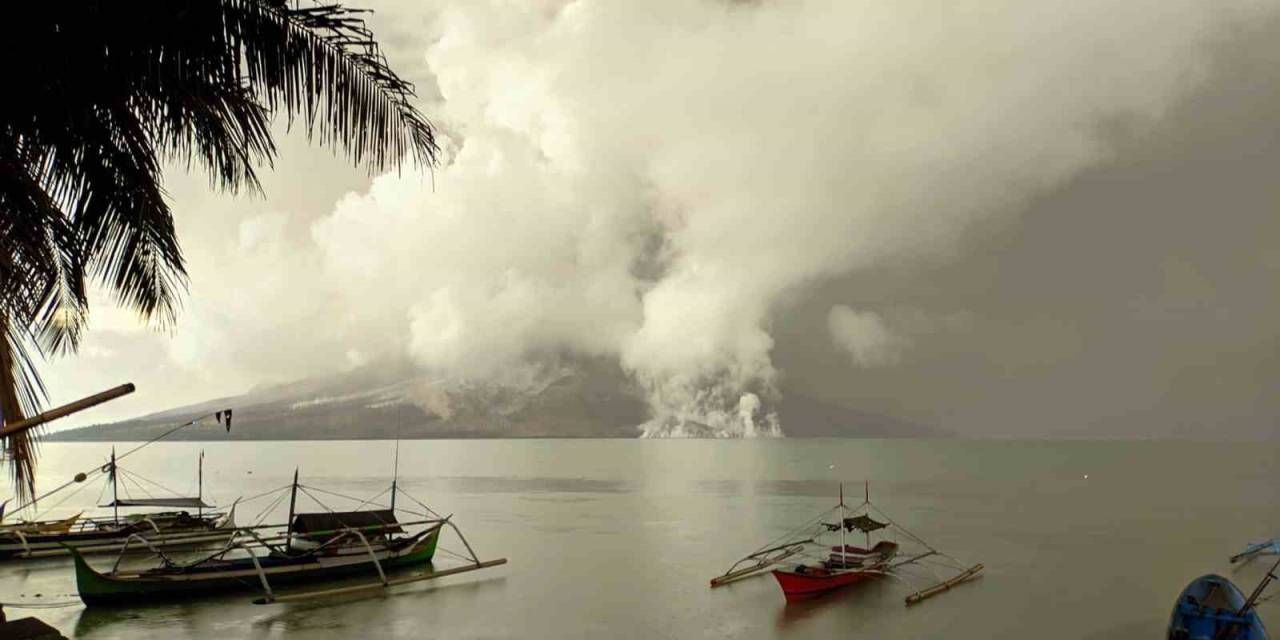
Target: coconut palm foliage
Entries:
(100, 93)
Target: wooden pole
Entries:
(293, 500)
(379, 585)
(115, 493)
(66, 410)
(395, 473)
(866, 499)
(1253, 597)
(945, 585)
(733, 575)
(843, 549)
(200, 486)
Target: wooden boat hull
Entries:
(798, 586)
(1205, 610)
(38, 528)
(20, 545)
(98, 589)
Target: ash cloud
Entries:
(656, 182)
(765, 147)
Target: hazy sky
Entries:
(1000, 218)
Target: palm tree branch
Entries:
(323, 63)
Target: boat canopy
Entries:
(374, 522)
(863, 523)
(176, 503)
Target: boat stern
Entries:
(90, 584)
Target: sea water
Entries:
(618, 538)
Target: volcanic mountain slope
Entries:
(587, 400)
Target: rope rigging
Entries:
(820, 561)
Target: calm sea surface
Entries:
(617, 539)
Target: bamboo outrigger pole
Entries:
(381, 585)
(1253, 597)
(66, 410)
(945, 585)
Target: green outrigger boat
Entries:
(314, 547)
(251, 573)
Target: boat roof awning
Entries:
(372, 521)
(863, 523)
(177, 503)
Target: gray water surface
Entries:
(618, 538)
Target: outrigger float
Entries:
(823, 566)
(1256, 550)
(307, 549)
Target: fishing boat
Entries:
(309, 548)
(841, 569)
(1212, 608)
(47, 526)
(827, 562)
(181, 522)
(189, 525)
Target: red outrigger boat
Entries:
(827, 567)
(856, 564)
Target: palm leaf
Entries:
(113, 90)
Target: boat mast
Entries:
(843, 549)
(395, 474)
(115, 493)
(200, 486)
(293, 499)
(866, 497)
(97, 469)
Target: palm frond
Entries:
(21, 392)
(322, 62)
(115, 89)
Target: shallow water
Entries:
(618, 538)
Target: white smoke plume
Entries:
(865, 336)
(652, 181)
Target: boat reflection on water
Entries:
(176, 619)
(321, 617)
(872, 595)
(310, 617)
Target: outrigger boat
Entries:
(826, 566)
(180, 527)
(313, 547)
(1212, 608)
(46, 526)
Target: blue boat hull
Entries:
(1206, 610)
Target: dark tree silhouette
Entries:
(99, 93)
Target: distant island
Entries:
(590, 400)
